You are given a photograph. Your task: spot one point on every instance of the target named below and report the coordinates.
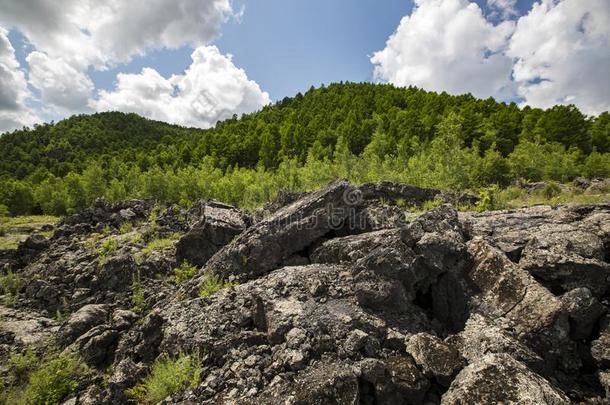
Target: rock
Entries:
(263, 247)
(568, 260)
(584, 310)
(83, 320)
(97, 346)
(218, 224)
(482, 335)
(506, 290)
(26, 328)
(353, 247)
(498, 378)
(600, 348)
(406, 384)
(436, 358)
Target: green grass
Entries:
(10, 285)
(212, 284)
(106, 248)
(16, 229)
(50, 383)
(157, 245)
(186, 271)
(137, 294)
(167, 377)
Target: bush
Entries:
(55, 379)
(551, 190)
(167, 377)
(4, 212)
(107, 247)
(212, 284)
(10, 285)
(186, 271)
(20, 365)
(137, 294)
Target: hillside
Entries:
(407, 134)
(333, 297)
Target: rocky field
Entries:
(332, 297)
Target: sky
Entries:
(195, 62)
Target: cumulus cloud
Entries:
(559, 52)
(447, 45)
(503, 8)
(61, 85)
(13, 88)
(104, 33)
(211, 89)
(562, 53)
(71, 38)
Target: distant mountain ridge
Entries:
(292, 128)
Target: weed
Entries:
(168, 376)
(10, 285)
(186, 271)
(212, 284)
(107, 247)
(137, 294)
(126, 227)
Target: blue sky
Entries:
(194, 62)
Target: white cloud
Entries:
(61, 85)
(503, 8)
(447, 45)
(13, 88)
(72, 37)
(558, 53)
(562, 52)
(211, 89)
(104, 33)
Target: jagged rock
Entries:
(26, 328)
(97, 346)
(600, 348)
(263, 247)
(568, 260)
(506, 290)
(584, 311)
(408, 195)
(352, 248)
(436, 358)
(218, 224)
(83, 320)
(327, 310)
(482, 335)
(498, 378)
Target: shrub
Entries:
(137, 294)
(159, 244)
(551, 190)
(212, 284)
(55, 379)
(168, 376)
(126, 227)
(107, 247)
(10, 285)
(186, 271)
(20, 365)
(4, 212)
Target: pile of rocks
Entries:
(339, 299)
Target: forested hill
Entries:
(402, 127)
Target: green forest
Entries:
(363, 132)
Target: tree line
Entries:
(364, 132)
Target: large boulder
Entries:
(268, 244)
(500, 379)
(83, 320)
(217, 225)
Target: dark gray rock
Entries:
(217, 225)
(83, 320)
(436, 358)
(264, 246)
(498, 378)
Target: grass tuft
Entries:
(167, 377)
(212, 284)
